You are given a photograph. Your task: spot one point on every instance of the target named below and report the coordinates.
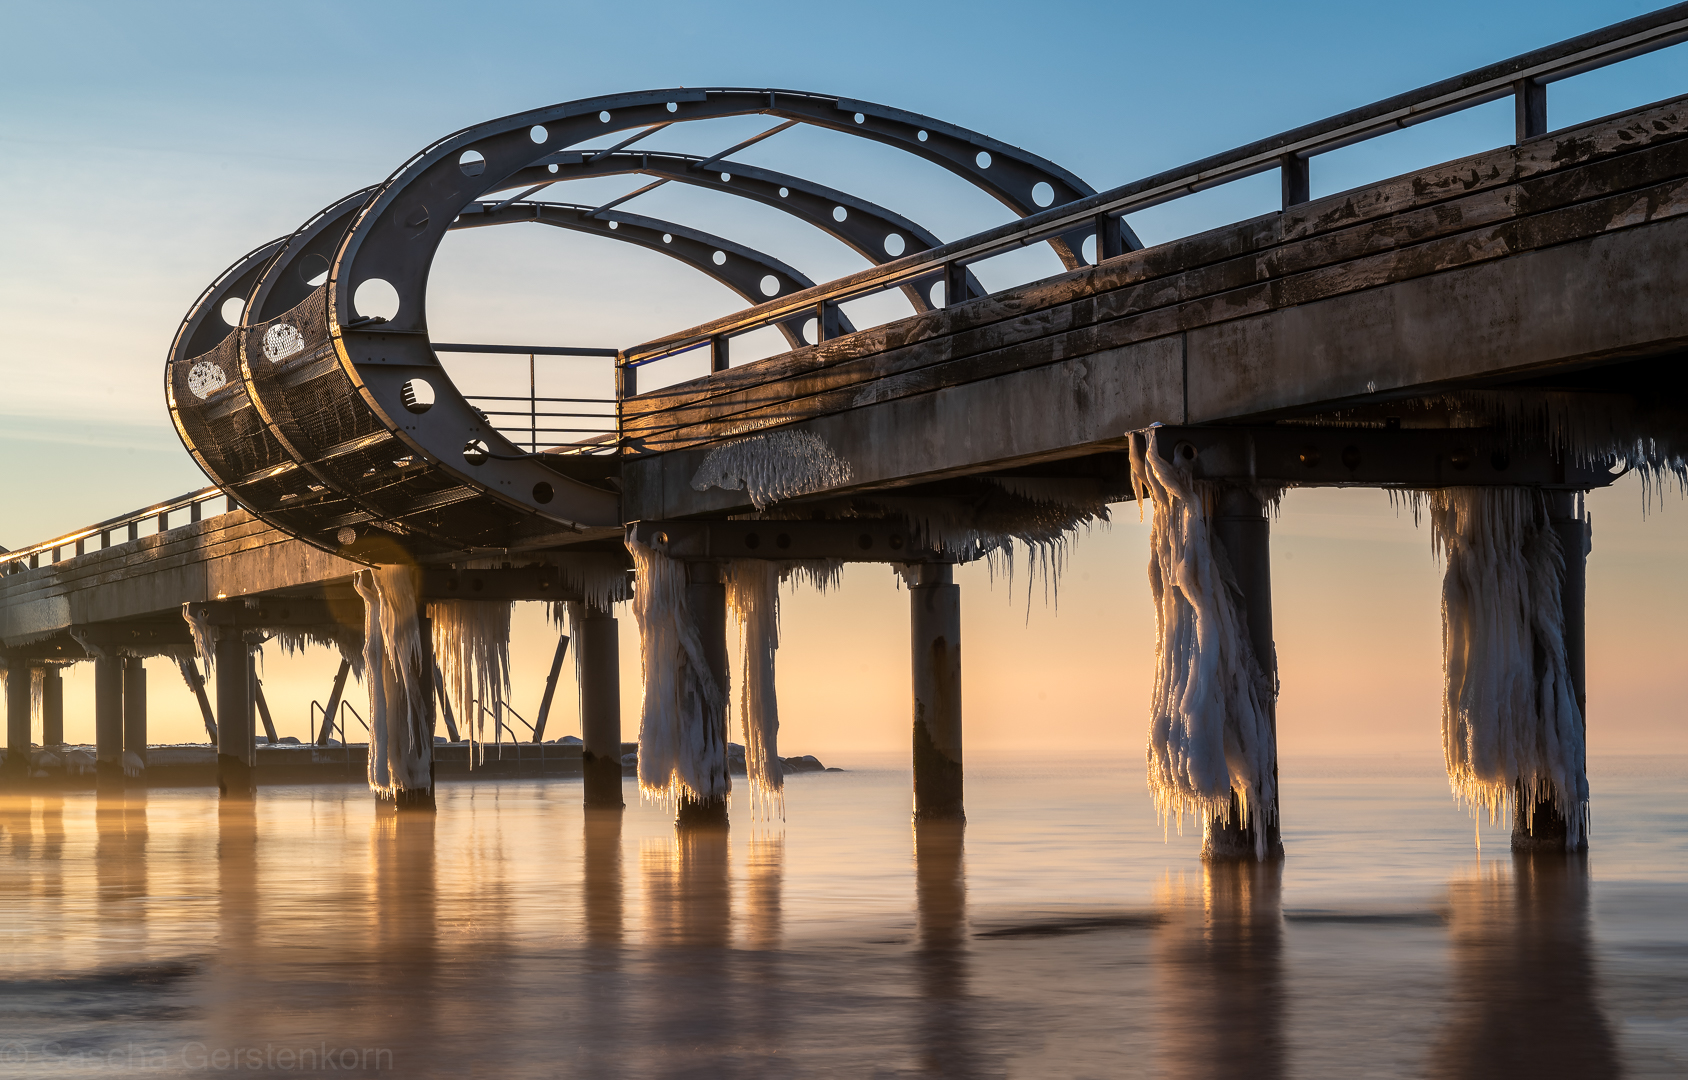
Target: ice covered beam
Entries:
(706, 605)
(856, 540)
(1371, 457)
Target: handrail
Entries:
(1524, 76)
(132, 519)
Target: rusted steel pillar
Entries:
(17, 721)
(706, 600)
(108, 721)
(135, 707)
(1240, 524)
(52, 707)
(935, 641)
(600, 707)
(1540, 827)
(235, 756)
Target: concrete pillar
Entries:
(1242, 529)
(52, 707)
(935, 655)
(706, 601)
(422, 676)
(1540, 826)
(135, 707)
(17, 721)
(599, 664)
(108, 722)
(235, 757)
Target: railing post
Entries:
(1297, 175)
(1110, 237)
(134, 530)
(193, 511)
(164, 521)
(826, 321)
(955, 284)
(626, 380)
(718, 352)
(1530, 98)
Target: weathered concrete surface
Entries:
(1568, 250)
(228, 555)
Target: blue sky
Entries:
(144, 147)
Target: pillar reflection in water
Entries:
(946, 1038)
(235, 1006)
(1524, 992)
(603, 1005)
(406, 948)
(1219, 969)
(120, 870)
(688, 908)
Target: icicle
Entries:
(342, 639)
(472, 648)
(37, 690)
(202, 637)
(753, 596)
(1509, 712)
(1210, 722)
(400, 742)
(681, 736)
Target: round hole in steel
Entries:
(770, 285)
(472, 162)
(1042, 193)
(476, 452)
(550, 168)
(1308, 456)
(726, 178)
(231, 310)
(719, 258)
(782, 541)
(376, 297)
(604, 117)
(615, 225)
(752, 541)
(1461, 458)
(313, 269)
(668, 238)
(894, 244)
(839, 213)
(543, 492)
(784, 192)
(982, 159)
(864, 541)
(860, 118)
(476, 584)
(1350, 457)
(921, 135)
(538, 133)
(895, 541)
(673, 106)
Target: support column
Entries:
(235, 757)
(52, 707)
(17, 721)
(421, 677)
(600, 707)
(1540, 827)
(108, 722)
(706, 600)
(935, 653)
(1241, 527)
(135, 707)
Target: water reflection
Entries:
(946, 1036)
(1219, 971)
(1524, 989)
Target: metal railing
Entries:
(507, 421)
(128, 524)
(1523, 77)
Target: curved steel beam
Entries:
(864, 227)
(740, 269)
(395, 235)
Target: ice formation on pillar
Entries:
(753, 596)
(682, 735)
(1210, 714)
(401, 741)
(778, 465)
(37, 691)
(1510, 719)
(472, 647)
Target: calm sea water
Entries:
(513, 935)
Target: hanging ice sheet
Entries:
(1210, 716)
(400, 740)
(1509, 712)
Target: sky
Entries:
(199, 131)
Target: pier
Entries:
(1500, 329)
